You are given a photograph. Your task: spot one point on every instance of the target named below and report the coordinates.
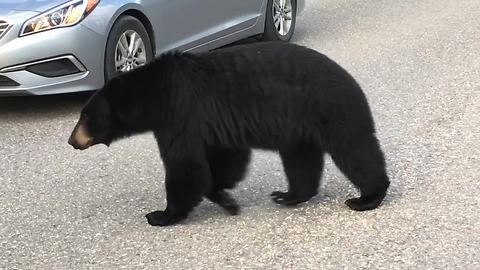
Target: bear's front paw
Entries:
(288, 199)
(163, 218)
(365, 203)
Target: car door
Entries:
(184, 24)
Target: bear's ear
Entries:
(103, 110)
(116, 82)
(116, 91)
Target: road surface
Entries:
(419, 63)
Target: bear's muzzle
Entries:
(80, 138)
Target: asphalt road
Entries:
(419, 63)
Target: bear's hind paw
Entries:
(162, 218)
(287, 199)
(225, 200)
(365, 203)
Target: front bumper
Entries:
(81, 46)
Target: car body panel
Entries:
(202, 21)
(30, 5)
(186, 25)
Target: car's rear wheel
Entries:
(128, 47)
(280, 20)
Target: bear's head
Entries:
(108, 115)
(95, 125)
(131, 103)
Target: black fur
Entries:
(208, 110)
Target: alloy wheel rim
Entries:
(130, 52)
(282, 12)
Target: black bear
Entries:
(208, 110)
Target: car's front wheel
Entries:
(280, 20)
(128, 47)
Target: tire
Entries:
(129, 29)
(271, 32)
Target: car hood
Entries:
(28, 5)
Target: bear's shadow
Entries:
(42, 107)
(261, 180)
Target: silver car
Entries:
(58, 46)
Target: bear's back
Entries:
(267, 93)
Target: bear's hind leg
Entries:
(227, 167)
(303, 166)
(225, 200)
(363, 163)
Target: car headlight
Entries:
(64, 15)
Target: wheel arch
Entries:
(146, 23)
(136, 12)
(132, 10)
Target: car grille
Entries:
(4, 27)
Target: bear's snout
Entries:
(80, 138)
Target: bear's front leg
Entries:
(187, 180)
